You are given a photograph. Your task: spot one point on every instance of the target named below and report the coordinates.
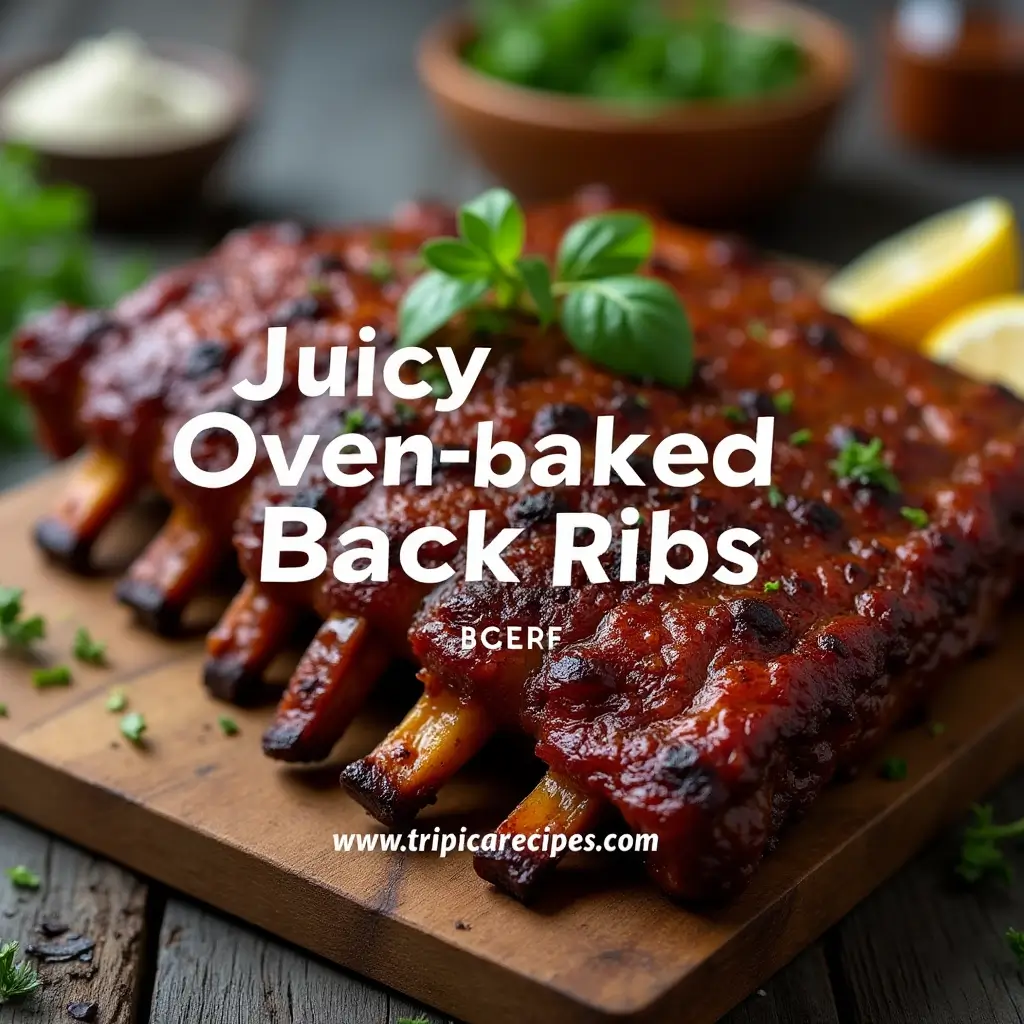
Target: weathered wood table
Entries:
(344, 132)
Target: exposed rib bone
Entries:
(326, 691)
(405, 771)
(100, 486)
(245, 641)
(556, 803)
(165, 577)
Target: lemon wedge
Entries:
(906, 286)
(985, 341)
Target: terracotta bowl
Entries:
(145, 184)
(706, 160)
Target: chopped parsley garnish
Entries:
(3, 710)
(117, 700)
(319, 287)
(801, 437)
(133, 725)
(381, 269)
(936, 729)
(404, 413)
(16, 980)
(56, 675)
(1015, 940)
(16, 630)
(775, 497)
(784, 401)
(757, 329)
(772, 586)
(915, 516)
(87, 650)
(354, 421)
(228, 726)
(894, 769)
(435, 377)
(734, 414)
(23, 878)
(865, 464)
(980, 856)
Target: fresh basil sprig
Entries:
(631, 324)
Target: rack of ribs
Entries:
(709, 714)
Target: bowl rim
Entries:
(231, 73)
(827, 43)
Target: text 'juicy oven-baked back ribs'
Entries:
(709, 714)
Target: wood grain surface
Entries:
(207, 814)
(78, 895)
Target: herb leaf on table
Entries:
(17, 980)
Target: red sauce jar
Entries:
(955, 74)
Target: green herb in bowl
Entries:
(631, 51)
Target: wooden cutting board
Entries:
(208, 815)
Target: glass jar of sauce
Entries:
(955, 74)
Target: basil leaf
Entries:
(632, 325)
(431, 302)
(455, 258)
(605, 245)
(494, 223)
(537, 277)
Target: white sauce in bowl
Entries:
(113, 95)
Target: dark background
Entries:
(344, 132)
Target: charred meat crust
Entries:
(709, 714)
(372, 787)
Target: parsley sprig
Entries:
(980, 855)
(45, 257)
(87, 650)
(23, 878)
(1015, 940)
(15, 629)
(631, 324)
(17, 980)
(865, 464)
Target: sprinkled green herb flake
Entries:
(381, 269)
(865, 464)
(354, 421)
(894, 769)
(228, 726)
(758, 330)
(775, 497)
(319, 288)
(917, 517)
(801, 437)
(980, 855)
(734, 414)
(57, 675)
(936, 729)
(23, 878)
(772, 586)
(435, 377)
(87, 650)
(3, 710)
(1015, 940)
(117, 700)
(783, 402)
(133, 725)
(404, 413)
